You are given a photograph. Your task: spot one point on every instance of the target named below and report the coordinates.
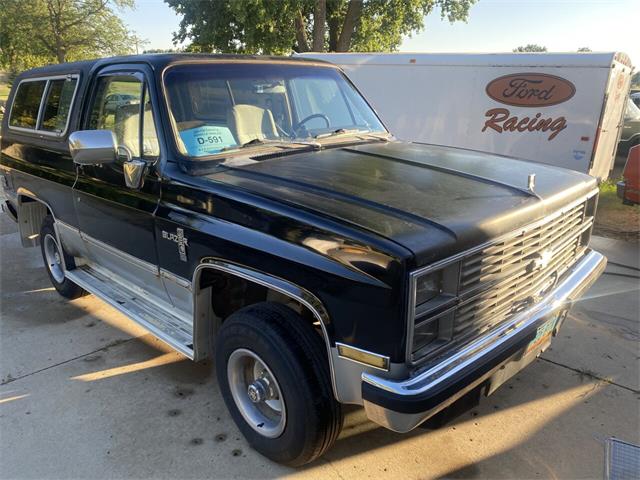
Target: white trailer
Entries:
(560, 109)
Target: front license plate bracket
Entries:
(543, 334)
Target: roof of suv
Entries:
(156, 60)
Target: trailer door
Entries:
(611, 120)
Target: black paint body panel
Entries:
(116, 215)
(435, 201)
(359, 277)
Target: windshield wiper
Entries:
(341, 131)
(258, 142)
(252, 143)
(357, 132)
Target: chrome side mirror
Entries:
(134, 171)
(93, 147)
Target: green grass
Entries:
(608, 188)
(613, 218)
(609, 198)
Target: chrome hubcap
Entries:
(53, 258)
(256, 393)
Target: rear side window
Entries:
(24, 112)
(44, 104)
(58, 104)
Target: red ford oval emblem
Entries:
(530, 90)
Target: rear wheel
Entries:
(274, 376)
(55, 260)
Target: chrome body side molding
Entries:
(137, 273)
(134, 261)
(179, 291)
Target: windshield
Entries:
(224, 107)
(632, 112)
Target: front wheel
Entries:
(55, 260)
(274, 376)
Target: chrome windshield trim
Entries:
(581, 276)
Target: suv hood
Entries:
(434, 201)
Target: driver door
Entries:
(116, 221)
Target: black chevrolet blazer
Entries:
(256, 210)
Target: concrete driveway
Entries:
(85, 393)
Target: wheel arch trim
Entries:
(30, 216)
(285, 287)
(23, 192)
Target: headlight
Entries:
(428, 287)
(424, 334)
(431, 320)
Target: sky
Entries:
(493, 26)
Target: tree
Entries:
(138, 43)
(163, 50)
(45, 31)
(531, 47)
(280, 27)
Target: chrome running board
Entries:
(165, 323)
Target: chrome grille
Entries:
(499, 260)
(495, 281)
(509, 275)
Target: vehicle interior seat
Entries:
(248, 122)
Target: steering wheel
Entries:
(311, 117)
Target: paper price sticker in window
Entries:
(207, 140)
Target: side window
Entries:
(58, 104)
(117, 107)
(26, 104)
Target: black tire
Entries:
(297, 356)
(64, 286)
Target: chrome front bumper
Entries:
(402, 405)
